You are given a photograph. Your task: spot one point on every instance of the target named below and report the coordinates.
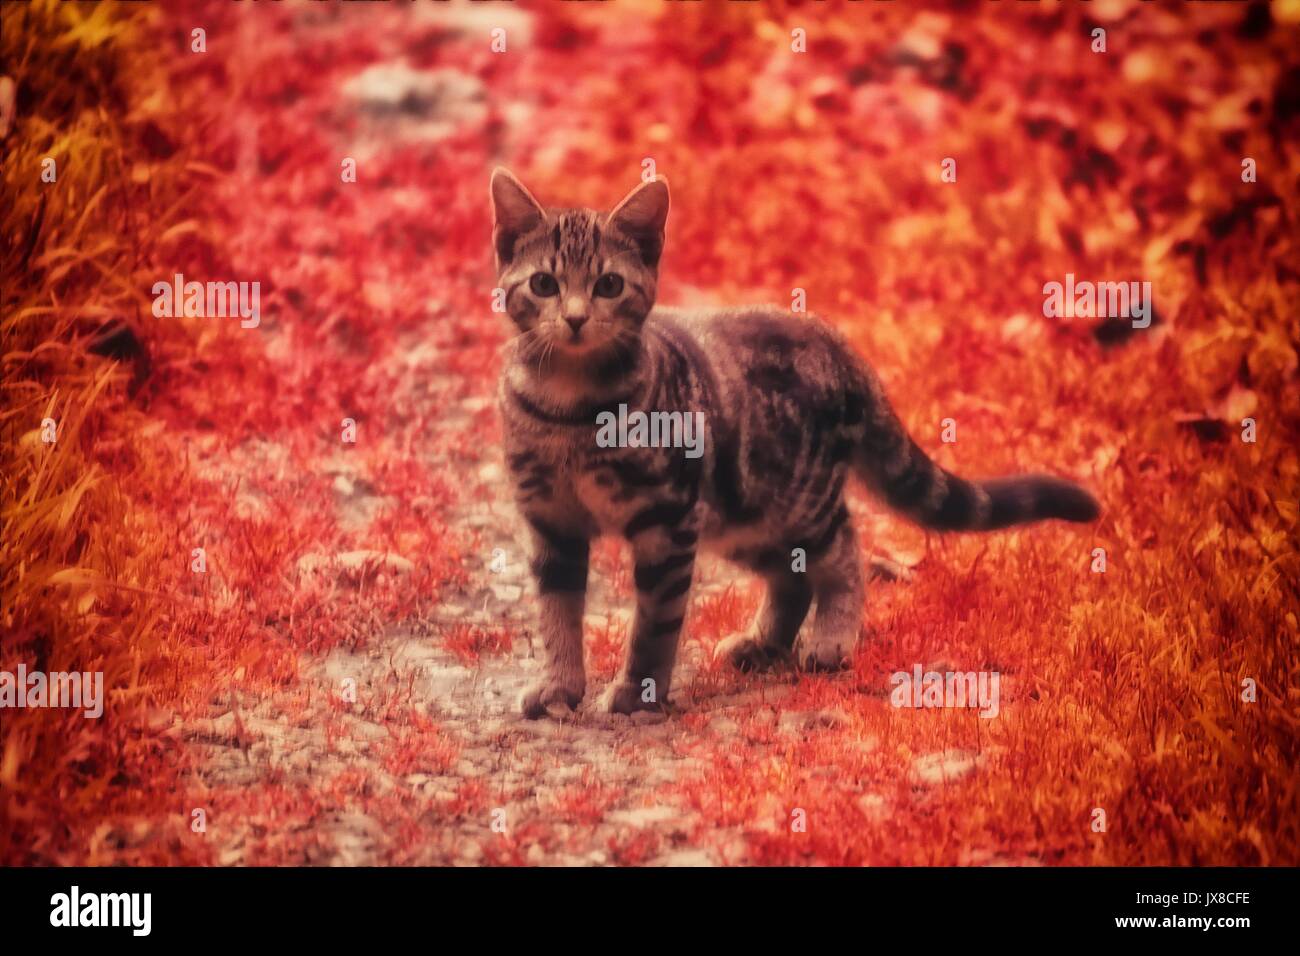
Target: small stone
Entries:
(800, 722)
(945, 766)
(643, 816)
(724, 726)
(686, 857)
(510, 593)
(418, 104)
(872, 806)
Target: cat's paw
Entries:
(551, 695)
(748, 653)
(824, 656)
(626, 697)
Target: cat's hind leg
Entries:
(771, 637)
(837, 583)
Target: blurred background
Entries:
(334, 686)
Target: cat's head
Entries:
(578, 283)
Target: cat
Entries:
(789, 412)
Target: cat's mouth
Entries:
(578, 341)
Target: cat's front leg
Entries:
(559, 564)
(664, 541)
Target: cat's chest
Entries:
(601, 477)
(606, 486)
(613, 489)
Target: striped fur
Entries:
(790, 413)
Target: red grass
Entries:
(1122, 690)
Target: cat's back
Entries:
(788, 399)
(764, 347)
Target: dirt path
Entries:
(479, 783)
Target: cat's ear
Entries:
(642, 215)
(514, 212)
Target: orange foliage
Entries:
(820, 171)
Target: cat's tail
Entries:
(904, 476)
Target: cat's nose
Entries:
(576, 322)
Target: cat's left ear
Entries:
(642, 215)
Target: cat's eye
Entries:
(544, 284)
(608, 286)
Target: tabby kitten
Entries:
(789, 412)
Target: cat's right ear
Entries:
(515, 212)
(642, 215)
